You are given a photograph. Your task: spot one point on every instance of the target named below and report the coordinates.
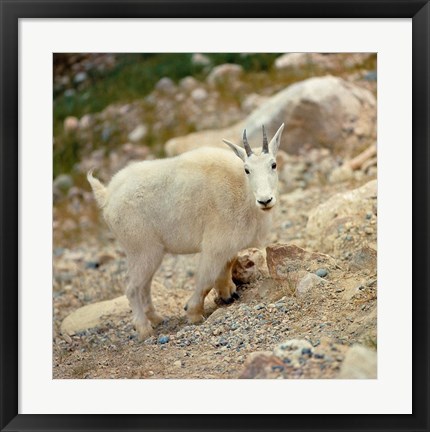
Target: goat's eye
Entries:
(274, 165)
(247, 170)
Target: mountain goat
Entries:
(205, 200)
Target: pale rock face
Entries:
(322, 112)
(96, 314)
(93, 315)
(329, 220)
(360, 363)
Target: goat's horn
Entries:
(246, 145)
(265, 142)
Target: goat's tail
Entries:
(98, 188)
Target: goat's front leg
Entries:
(224, 285)
(210, 267)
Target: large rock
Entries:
(93, 315)
(359, 363)
(286, 260)
(326, 112)
(249, 265)
(319, 112)
(339, 224)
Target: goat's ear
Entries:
(276, 140)
(239, 151)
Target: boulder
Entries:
(250, 265)
(330, 223)
(326, 112)
(322, 112)
(93, 315)
(96, 314)
(284, 261)
(200, 59)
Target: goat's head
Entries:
(260, 169)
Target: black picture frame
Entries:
(12, 10)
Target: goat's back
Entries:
(177, 201)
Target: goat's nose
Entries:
(265, 202)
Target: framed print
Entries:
(188, 215)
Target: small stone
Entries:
(322, 272)
(200, 59)
(177, 363)
(163, 339)
(188, 83)
(138, 133)
(222, 342)
(277, 368)
(69, 92)
(165, 85)
(80, 77)
(306, 351)
(199, 94)
(63, 182)
(286, 224)
(92, 265)
(259, 306)
(70, 124)
(224, 73)
(370, 76)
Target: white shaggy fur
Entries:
(201, 201)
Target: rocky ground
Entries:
(308, 303)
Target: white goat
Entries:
(206, 201)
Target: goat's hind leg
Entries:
(141, 270)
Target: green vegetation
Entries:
(135, 75)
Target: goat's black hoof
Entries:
(235, 296)
(230, 300)
(186, 307)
